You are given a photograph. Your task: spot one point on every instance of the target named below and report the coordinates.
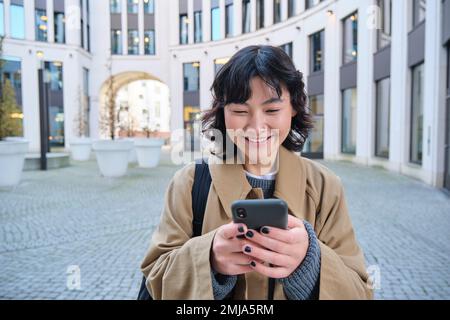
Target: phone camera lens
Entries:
(241, 213)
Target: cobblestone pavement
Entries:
(72, 217)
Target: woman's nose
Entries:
(257, 122)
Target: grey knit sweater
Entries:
(303, 283)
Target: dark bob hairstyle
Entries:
(275, 68)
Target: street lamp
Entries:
(43, 109)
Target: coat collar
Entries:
(231, 184)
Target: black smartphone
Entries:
(257, 213)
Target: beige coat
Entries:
(178, 267)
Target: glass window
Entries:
(276, 11)
(41, 24)
(349, 103)
(2, 19)
(219, 63)
(82, 24)
(133, 6)
(317, 45)
(311, 3)
(59, 27)
(133, 42)
(417, 114)
(215, 23)
(149, 42)
(259, 14)
(116, 41)
(229, 20)
(149, 6)
(350, 38)
(287, 48)
(88, 28)
(246, 16)
(12, 71)
(17, 21)
(114, 6)
(384, 33)
(191, 79)
(197, 26)
(383, 107)
(314, 144)
(183, 29)
(419, 11)
(54, 72)
(291, 8)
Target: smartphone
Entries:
(257, 213)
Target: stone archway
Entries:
(131, 122)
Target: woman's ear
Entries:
(293, 113)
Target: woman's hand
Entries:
(283, 249)
(227, 257)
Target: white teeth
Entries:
(258, 140)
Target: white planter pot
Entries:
(80, 149)
(112, 156)
(148, 151)
(132, 157)
(12, 159)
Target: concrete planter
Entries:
(148, 151)
(12, 158)
(132, 157)
(112, 156)
(80, 149)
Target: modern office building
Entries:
(377, 71)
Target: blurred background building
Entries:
(377, 71)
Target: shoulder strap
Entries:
(200, 191)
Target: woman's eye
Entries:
(273, 110)
(240, 112)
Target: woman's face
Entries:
(260, 125)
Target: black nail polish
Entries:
(253, 264)
(249, 234)
(241, 229)
(265, 230)
(247, 249)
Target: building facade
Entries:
(377, 71)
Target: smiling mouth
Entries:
(259, 140)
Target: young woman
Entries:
(260, 107)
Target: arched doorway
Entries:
(140, 106)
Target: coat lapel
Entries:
(290, 184)
(231, 184)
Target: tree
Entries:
(81, 120)
(10, 120)
(109, 115)
(10, 114)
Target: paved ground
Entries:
(70, 217)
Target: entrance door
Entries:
(313, 148)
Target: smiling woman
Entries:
(198, 252)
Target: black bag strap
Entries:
(199, 193)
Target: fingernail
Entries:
(249, 234)
(241, 229)
(247, 249)
(265, 230)
(253, 264)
